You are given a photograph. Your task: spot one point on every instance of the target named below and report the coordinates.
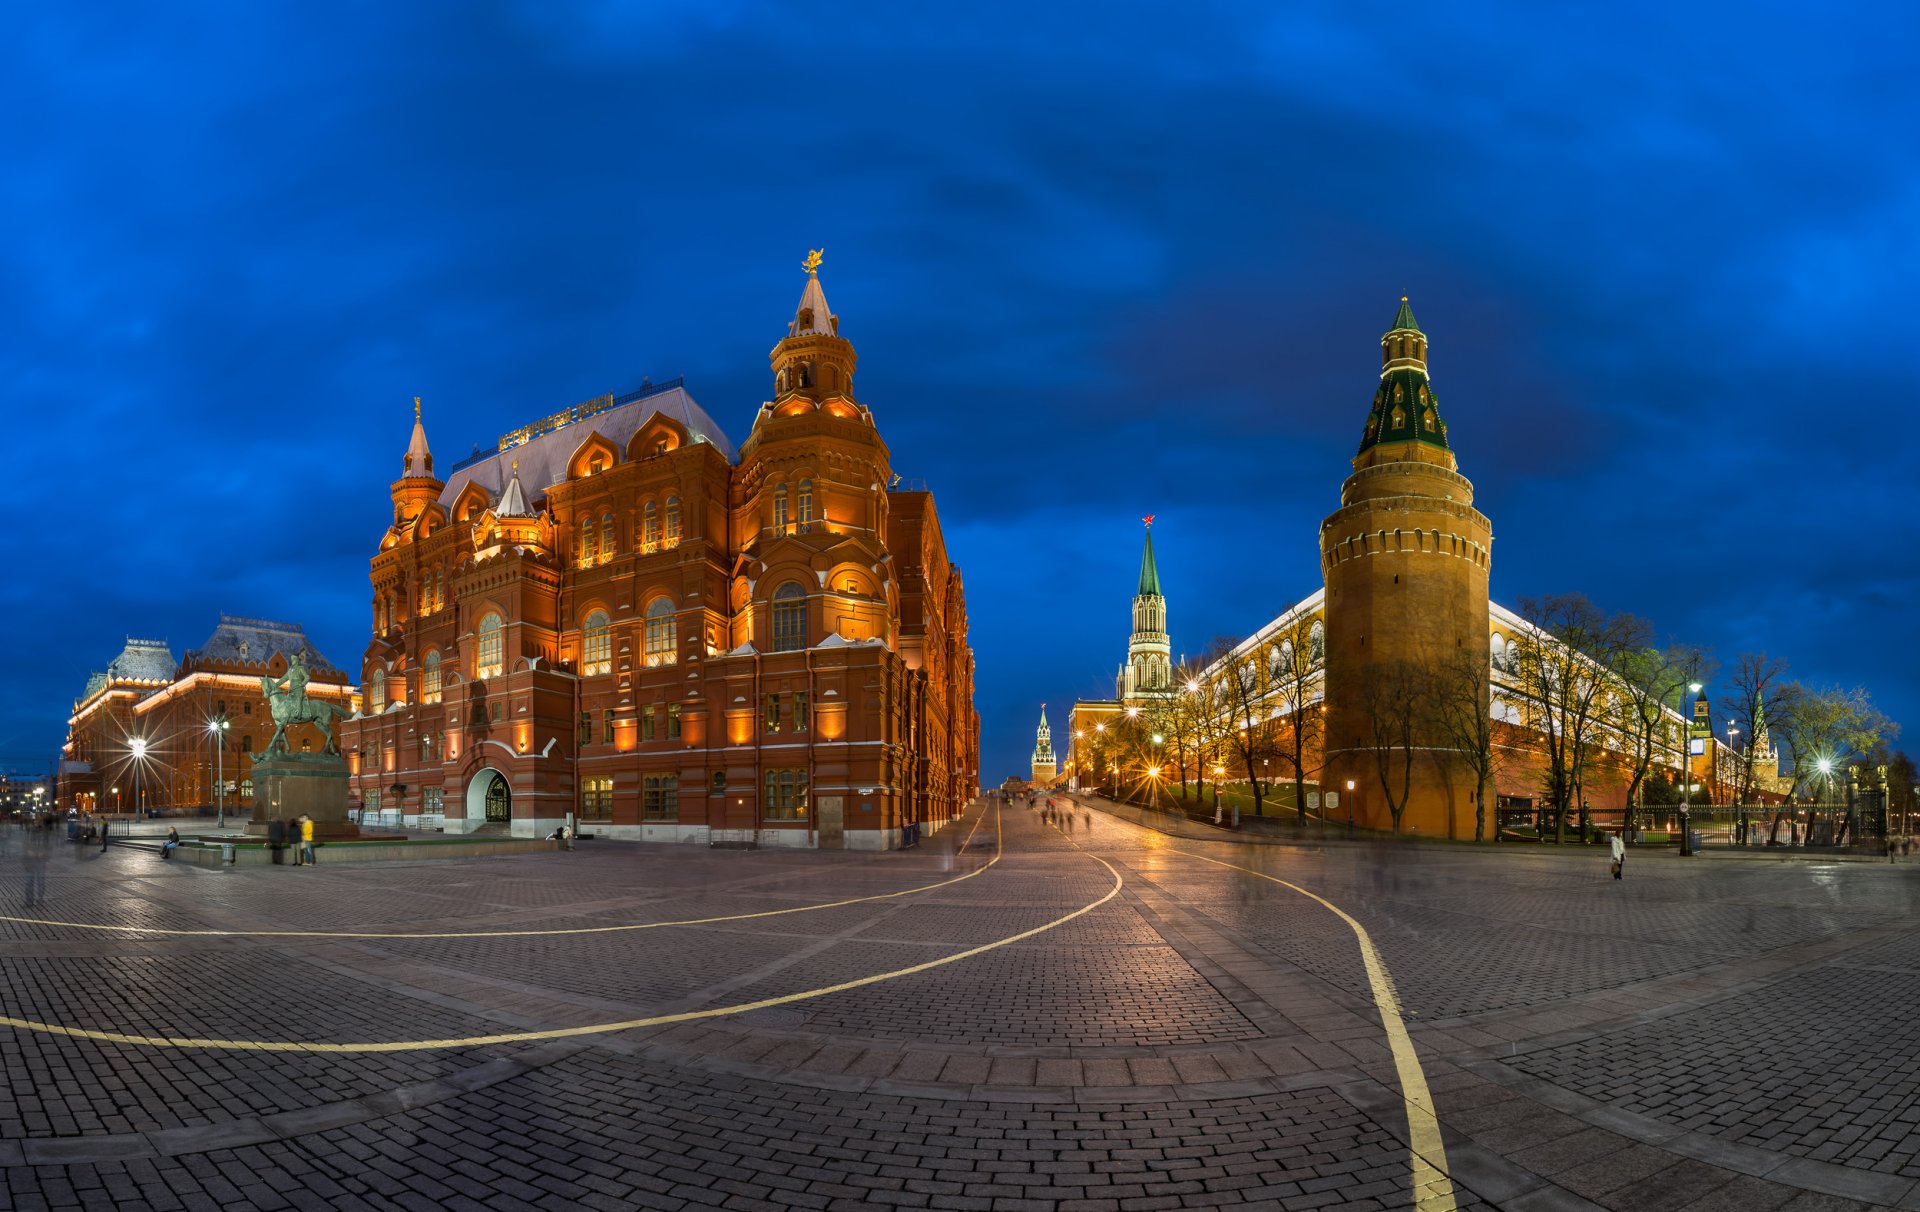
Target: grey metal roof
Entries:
(147, 660)
(543, 460)
(254, 641)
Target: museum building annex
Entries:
(615, 614)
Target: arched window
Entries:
(246, 789)
(589, 542)
(780, 507)
(1426, 420)
(1499, 649)
(607, 547)
(1317, 643)
(650, 528)
(661, 644)
(376, 691)
(1286, 655)
(596, 639)
(806, 502)
(1399, 414)
(673, 521)
(489, 654)
(430, 678)
(789, 618)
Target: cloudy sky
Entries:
(1098, 261)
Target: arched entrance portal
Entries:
(489, 797)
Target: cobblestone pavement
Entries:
(1702, 1035)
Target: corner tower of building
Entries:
(416, 488)
(1149, 668)
(1406, 560)
(1045, 766)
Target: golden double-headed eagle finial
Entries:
(416, 408)
(812, 263)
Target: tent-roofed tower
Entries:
(1149, 669)
(416, 488)
(1045, 767)
(1406, 559)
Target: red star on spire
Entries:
(1149, 519)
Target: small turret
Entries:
(814, 362)
(416, 488)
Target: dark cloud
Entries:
(1099, 262)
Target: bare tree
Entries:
(1395, 703)
(1461, 714)
(1563, 661)
(1753, 699)
(1649, 680)
(1294, 678)
(1237, 694)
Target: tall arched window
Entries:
(430, 678)
(1317, 644)
(673, 521)
(661, 643)
(780, 507)
(789, 618)
(806, 502)
(490, 653)
(596, 638)
(376, 691)
(650, 527)
(607, 547)
(589, 542)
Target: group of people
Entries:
(1060, 813)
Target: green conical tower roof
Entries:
(1405, 318)
(1404, 407)
(1149, 571)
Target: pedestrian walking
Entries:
(305, 853)
(33, 857)
(1069, 819)
(1086, 818)
(1619, 849)
(103, 834)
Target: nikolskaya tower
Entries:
(1405, 558)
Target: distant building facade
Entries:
(141, 733)
(616, 615)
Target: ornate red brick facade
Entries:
(615, 614)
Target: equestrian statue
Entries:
(287, 699)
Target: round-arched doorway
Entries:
(489, 797)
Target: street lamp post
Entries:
(1349, 809)
(1158, 740)
(218, 728)
(1686, 779)
(139, 783)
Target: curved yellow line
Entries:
(521, 1037)
(692, 921)
(1432, 1188)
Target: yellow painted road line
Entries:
(522, 1037)
(1432, 1188)
(693, 921)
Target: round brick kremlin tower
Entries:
(1406, 558)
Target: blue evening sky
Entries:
(1098, 260)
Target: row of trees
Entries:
(1598, 700)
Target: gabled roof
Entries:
(513, 502)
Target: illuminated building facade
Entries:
(616, 616)
(1406, 560)
(140, 730)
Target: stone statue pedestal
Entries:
(288, 785)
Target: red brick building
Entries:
(140, 733)
(617, 615)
